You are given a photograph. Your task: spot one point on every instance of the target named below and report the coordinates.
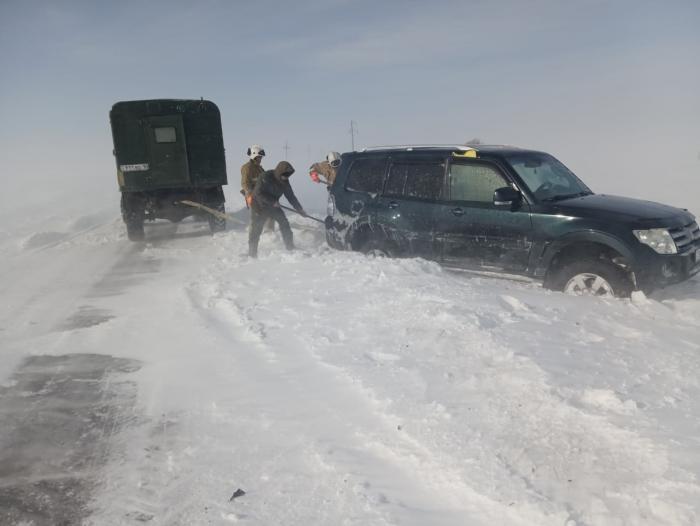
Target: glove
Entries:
(249, 200)
(314, 177)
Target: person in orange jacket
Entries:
(325, 171)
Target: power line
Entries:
(353, 131)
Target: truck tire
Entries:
(592, 277)
(133, 210)
(134, 231)
(216, 224)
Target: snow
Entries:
(333, 388)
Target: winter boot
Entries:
(253, 250)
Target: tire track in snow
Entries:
(352, 423)
(573, 464)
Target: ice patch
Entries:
(86, 316)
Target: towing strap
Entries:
(215, 213)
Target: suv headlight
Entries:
(657, 238)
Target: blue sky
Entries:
(612, 88)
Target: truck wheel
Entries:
(216, 224)
(134, 231)
(592, 277)
(133, 215)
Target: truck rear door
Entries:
(165, 136)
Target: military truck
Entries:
(168, 151)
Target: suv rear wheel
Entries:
(377, 249)
(592, 277)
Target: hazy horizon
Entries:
(610, 88)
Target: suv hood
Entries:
(603, 206)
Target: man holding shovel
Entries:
(264, 205)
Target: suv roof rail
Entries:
(417, 146)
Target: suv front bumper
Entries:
(660, 270)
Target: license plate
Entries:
(143, 167)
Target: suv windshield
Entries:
(547, 178)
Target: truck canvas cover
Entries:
(168, 143)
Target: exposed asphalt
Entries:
(58, 415)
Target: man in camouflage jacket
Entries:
(250, 173)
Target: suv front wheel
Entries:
(592, 277)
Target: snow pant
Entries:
(258, 217)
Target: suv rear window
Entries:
(366, 175)
(421, 181)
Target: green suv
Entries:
(510, 211)
(168, 151)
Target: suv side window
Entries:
(419, 181)
(475, 182)
(366, 175)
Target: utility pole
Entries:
(286, 149)
(353, 131)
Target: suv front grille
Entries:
(686, 237)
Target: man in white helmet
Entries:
(326, 169)
(252, 170)
(250, 173)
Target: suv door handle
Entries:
(457, 211)
(393, 204)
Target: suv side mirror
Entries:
(506, 196)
